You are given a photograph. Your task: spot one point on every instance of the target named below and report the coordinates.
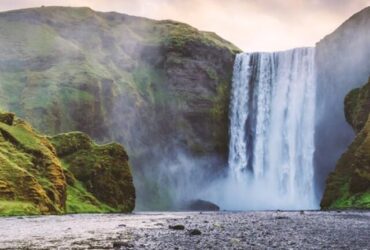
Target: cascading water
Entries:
(272, 129)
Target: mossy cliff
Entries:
(342, 64)
(67, 173)
(119, 71)
(154, 86)
(103, 170)
(349, 185)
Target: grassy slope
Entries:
(34, 181)
(137, 81)
(30, 174)
(102, 169)
(349, 185)
(59, 69)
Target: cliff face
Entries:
(103, 170)
(349, 185)
(342, 62)
(41, 175)
(155, 86)
(31, 176)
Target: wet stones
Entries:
(194, 232)
(177, 227)
(122, 245)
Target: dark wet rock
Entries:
(122, 245)
(194, 232)
(177, 227)
(7, 118)
(200, 205)
(282, 217)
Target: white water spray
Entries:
(272, 130)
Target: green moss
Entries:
(21, 136)
(69, 143)
(357, 106)
(34, 181)
(178, 34)
(17, 208)
(349, 200)
(150, 84)
(212, 74)
(220, 114)
(81, 201)
(348, 186)
(103, 170)
(59, 82)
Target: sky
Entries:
(252, 25)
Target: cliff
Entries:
(43, 175)
(157, 87)
(349, 185)
(342, 63)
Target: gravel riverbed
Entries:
(190, 230)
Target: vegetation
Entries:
(349, 185)
(103, 170)
(136, 80)
(33, 180)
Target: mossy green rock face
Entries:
(103, 170)
(133, 79)
(349, 185)
(155, 86)
(31, 177)
(85, 178)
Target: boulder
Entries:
(200, 205)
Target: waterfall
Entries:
(272, 129)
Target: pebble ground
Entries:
(218, 230)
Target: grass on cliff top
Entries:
(22, 136)
(178, 34)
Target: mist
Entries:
(342, 63)
(160, 101)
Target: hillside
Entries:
(55, 175)
(342, 64)
(349, 185)
(157, 87)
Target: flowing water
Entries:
(272, 129)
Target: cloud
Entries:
(253, 25)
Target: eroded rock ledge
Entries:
(349, 185)
(67, 173)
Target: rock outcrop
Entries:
(38, 178)
(349, 185)
(103, 170)
(342, 63)
(199, 205)
(154, 86)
